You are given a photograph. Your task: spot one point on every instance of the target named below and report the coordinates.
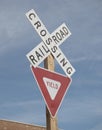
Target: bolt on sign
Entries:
(53, 86)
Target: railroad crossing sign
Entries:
(40, 52)
(53, 87)
(49, 43)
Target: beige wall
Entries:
(8, 125)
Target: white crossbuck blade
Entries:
(49, 43)
(41, 51)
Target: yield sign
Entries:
(53, 87)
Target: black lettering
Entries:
(48, 41)
(41, 51)
(65, 30)
(45, 49)
(43, 33)
(38, 24)
(54, 49)
(58, 36)
(63, 62)
(32, 58)
(38, 55)
(55, 39)
(69, 70)
(62, 33)
(58, 55)
(31, 16)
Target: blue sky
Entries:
(20, 98)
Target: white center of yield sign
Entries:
(52, 86)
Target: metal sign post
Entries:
(51, 123)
